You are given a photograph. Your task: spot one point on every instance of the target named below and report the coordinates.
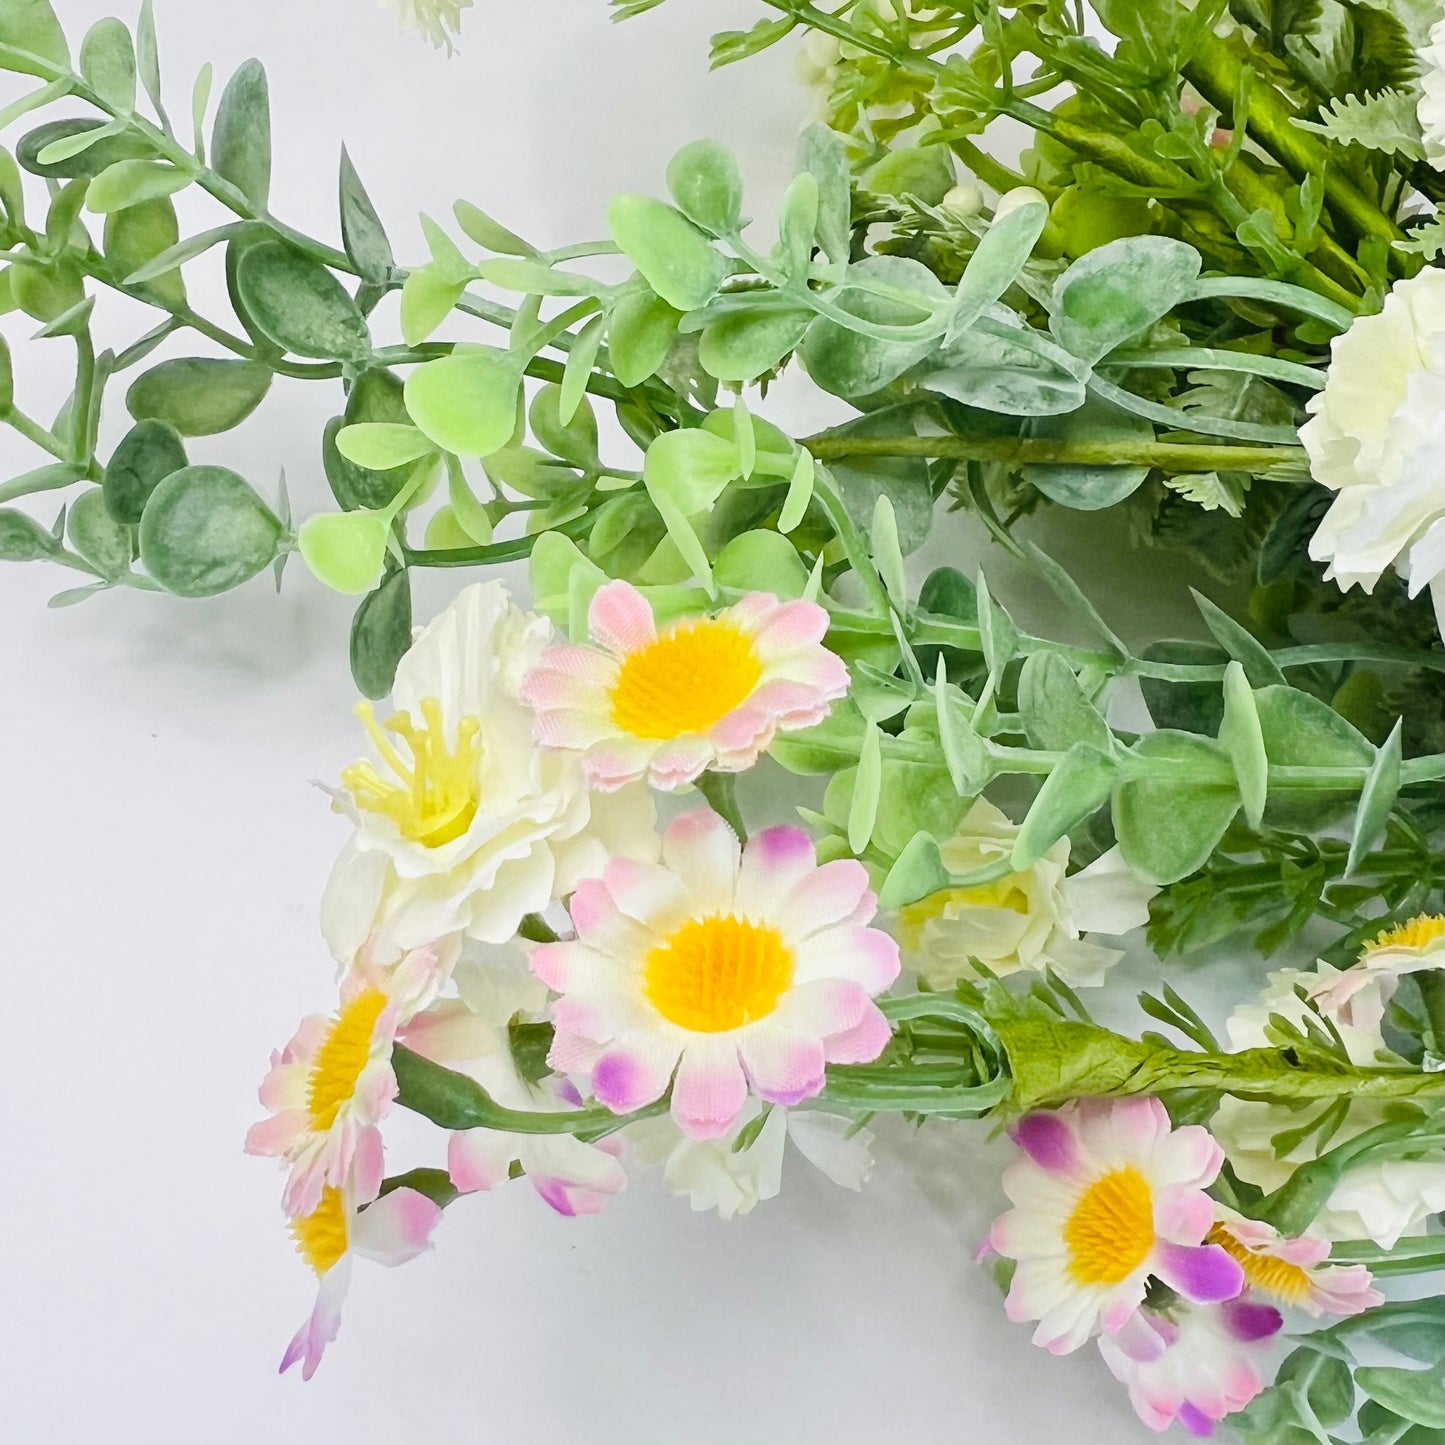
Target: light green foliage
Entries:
(204, 530)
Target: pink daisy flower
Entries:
(730, 968)
(1107, 1194)
(704, 692)
(1193, 1364)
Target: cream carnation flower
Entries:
(462, 823)
(1025, 922)
(1375, 438)
(439, 21)
(1431, 110)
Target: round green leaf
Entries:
(30, 27)
(345, 549)
(690, 467)
(1241, 737)
(381, 634)
(205, 530)
(1056, 711)
(98, 156)
(137, 235)
(744, 345)
(707, 186)
(299, 304)
(22, 539)
(380, 446)
(103, 542)
(675, 258)
(1417, 1395)
(241, 139)
(761, 562)
(199, 396)
(1088, 488)
(148, 453)
(107, 61)
(467, 403)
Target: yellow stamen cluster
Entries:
(321, 1235)
(1417, 934)
(718, 973)
(687, 680)
(1279, 1279)
(1111, 1231)
(344, 1053)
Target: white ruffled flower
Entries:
(439, 21)
(1431, 111)
(715, 1174)
(1025, 922)
(1380, 1199)
(1375, 438)
(463, 824)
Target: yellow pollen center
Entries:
(342, 1056)
(1417, 933)
(1278, 1278)
(718, 973)
(321, 1235)
(1111, 1230)
(687, 680)
(432, 797)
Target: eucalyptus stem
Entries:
(45, 439)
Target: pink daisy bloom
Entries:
(1192, 1363)
(329, 1088)
(1294, 1272)
(391, 1231)
(1106, 1195)
(731, 968)
(704, 692)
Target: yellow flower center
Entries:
(341, 1057)
(321, 1235)
(1111, 1230)
(687, 680)
(1288, 1283)
(432, 797)
(1006, 892)
(718, 973)
(1417, 934)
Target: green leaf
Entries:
(1014, 370)
(205, 530)
(79, 141)
(133, 239)
(887, 554)
(997, 634)
(1301, 731)
(376, 399)
(690, 467)
(478, 226)
(147, 55)
(674, 257)
(1241, 737)
(1057, 713)
(148, 453)
(574, 440)
(995, 266)
(578, 370)
(472, 517)
(178, 254)
(362, 233)
(797, 225)
(1377, 799)
(1119, 290)
(761, 562)
(917, 872)
(380, 446)
(946, 592)
(97, 536)
(199, 396)
(704, 180)
(107, 62)
(1069, 592)
(7, 377)
(800, 493)
(127, 183)
(427, 298)
(381, 634)
(345, 550)
(300, 305)
(1166, 828)
(1417, 1395)
(640, 332)
(863, 809)
(924, 171)
(1088, 487)
(1386, 122)
(22, 539)
(241, 137)
(467, 402)
(823, 153)
(99, 152)
(1077, 788)
(538, 278)
(30, 27)
(1259, 667)
(965, 753)
(744, 344)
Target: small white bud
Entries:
(1013, 200)
(963, 200)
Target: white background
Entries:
(162, 855)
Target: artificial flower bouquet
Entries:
(741, 838)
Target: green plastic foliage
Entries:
(995, 265)
(467, 402)
(746, 344)
(7, 377)
(1073, 791)
(148, 453)
(1167, 828)
(345, 550)
(823, 154)
(922, 171)
(362, 233)
(863, 808)
(573, 439)
(916, 872)
(138, 234)
(380, 446)
(1377, 798)
(1088, 488)
(640, 331)
(1055, 709)
(199, 396)
(798, 224)
(22, 539)
(107, 62)
(1013, 370)
(101, 151)
(761, 562)
(1118, 291)
(427, 298)
(300, 305)
(30, 28)
(705, 182)
(376, 399)
(674, 257)
(128, 183)
(103, 542)
(381, 634)
(205, 530)
(850, 364)
(1417, 1395)
(1301, 731)
(241, 138)
(1259, 667)
(690, 468)
(1241, 737)
(478, 226)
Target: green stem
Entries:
(509, 551)
(983, 165)
(45, 439)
